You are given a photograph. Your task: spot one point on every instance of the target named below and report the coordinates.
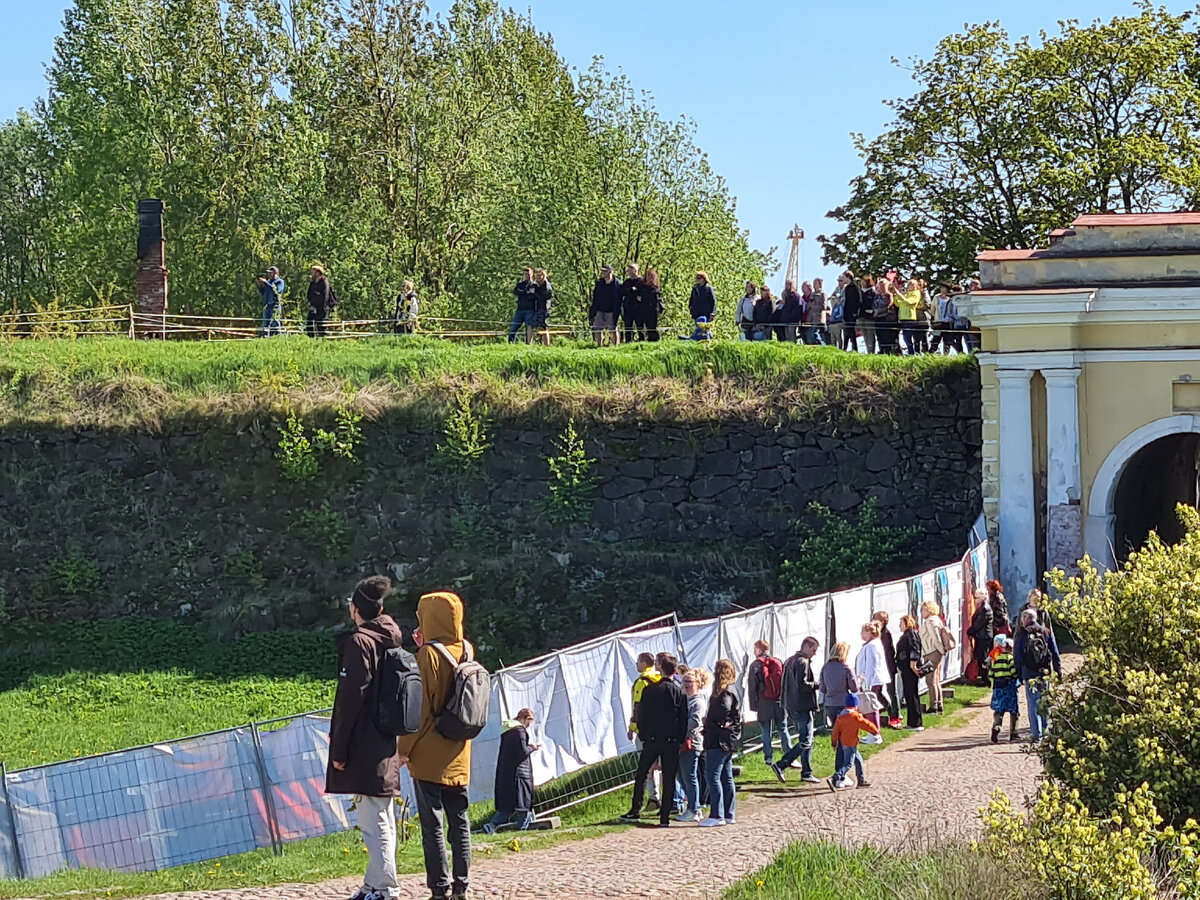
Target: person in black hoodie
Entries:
(662, 726)
(889, 656)
(606, 305)
(764, 311)
(525, 292)
(790, 314)
(362, 759)
(652, 303)
(866, 315)
(703, 302)
(631, 304)
(514, 774)
(851, 307)
(321, 301)
(800, 703)
(543, 303)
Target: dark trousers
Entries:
(315, 326)
(887, 333)
(666, 754)
(908, 330)
(631, 320)
(436, 802)
(649, 320)
(912, 696)
(945, 335)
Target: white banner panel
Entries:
(485, 748)
(851, 610)
(738, 634)
(798, 619)
(950, 585)
(596, 682)
(700, 643)
(542, 690)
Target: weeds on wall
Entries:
(72, 574)
(571, 484)
(325, 529)
(299, 455)
(837, 552)
(466, 433)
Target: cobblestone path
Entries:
(929, 786)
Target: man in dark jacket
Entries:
(1036, 653)
(703, 302)
(631, 304)
(800, 703)
(514, 774)
(662, 727)
(526, 314)
(362, 759)
(321, 300)
(606, 304)
(851, 307)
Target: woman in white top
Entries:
(871, 664)
(745, 311)
(935, 637)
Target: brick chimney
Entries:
(150, 284)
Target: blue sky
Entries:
(776, 86)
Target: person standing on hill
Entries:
(362, 759)
(852, 302)
(652, 303)
(662, 727)
(766, 691)
(441, 767)
(800, 703)
(866, 315)
(745, 311)
(606, 304)
(525, 315)
(514, 774)
(632, 289)
(702, 304)
(408, 308)
(271, 289)
(543, 304)
(322, 299)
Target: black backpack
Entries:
(1036, 655)
(466, 711)
(399, 697)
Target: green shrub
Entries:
(1124, 855)
(571, 485)
(466, 435)
(841, 552)
(296, 454)
(1126, 715)
(324, 528)
(72, 574)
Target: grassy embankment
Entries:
(138, 681)
(155, 385)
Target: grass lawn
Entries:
(115, 381)
(61, 714)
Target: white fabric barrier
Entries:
(738, 634)
(797, 619)
(484, 750)
(851, 610)
(701, 643)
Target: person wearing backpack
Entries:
(363, 759)
(1036, 653)
(438, 755)
(766, 690)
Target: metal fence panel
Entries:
(10, 864)
(295, 757)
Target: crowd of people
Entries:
(686, 723)
(866, 314)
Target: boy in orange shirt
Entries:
(845, 744)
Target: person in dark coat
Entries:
(909, 660)
(789, 315)
(321, 301)
(800, 704)
(631, 305)
(889, 656)
(606, 306)
(764, 312)
(543, 304)
(362, 759)
(652, 304)
(525, 315)
(703, 302)
(514, 774)
(852, 302)
(981, 634)
(662, 722)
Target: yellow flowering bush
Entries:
(1125, 716)
(1124, 855)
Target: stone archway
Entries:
(1138, 485)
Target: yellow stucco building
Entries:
(1090, 367)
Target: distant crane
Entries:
(795, 266)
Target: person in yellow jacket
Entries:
(647, 675)
(440, 768)
(907, 302)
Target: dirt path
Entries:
(931, 785)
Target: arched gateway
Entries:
(1090, 368)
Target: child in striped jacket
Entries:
(1004, 688)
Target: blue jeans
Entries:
(845, 757)
(908, 331)
(270, 321)
(526, 317)
(718, 772)
(775, 721)
(814, 335)
(504, 816)
(1038, 720)
(804, 724)
(689, 778)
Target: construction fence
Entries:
(261, 786)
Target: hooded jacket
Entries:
(432, 757)
(372, 763)
(321, 296)
(799, 685)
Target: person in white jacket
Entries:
(871, 665)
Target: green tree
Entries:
(1123, 717)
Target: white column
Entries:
(1018, 556)
(1064, 523)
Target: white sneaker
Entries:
(688, 816)
(731, 821)
(845, 783)
(712, 823)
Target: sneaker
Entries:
(731, 821)
(894, 723)
(864, 783)
(832, 784)
(995, 735)
(1013, 737)
(688, 816)
(810, 778)
(712, 823)
(845, 783)
(630, 816)
(488, 828)
(778, 772)
(361, 893)
(915, 728)
(796, 764)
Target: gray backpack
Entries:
(466, 711)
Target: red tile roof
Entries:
(1109, 220)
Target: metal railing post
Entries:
(679, 639)
(268, 798)
(12, 822)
